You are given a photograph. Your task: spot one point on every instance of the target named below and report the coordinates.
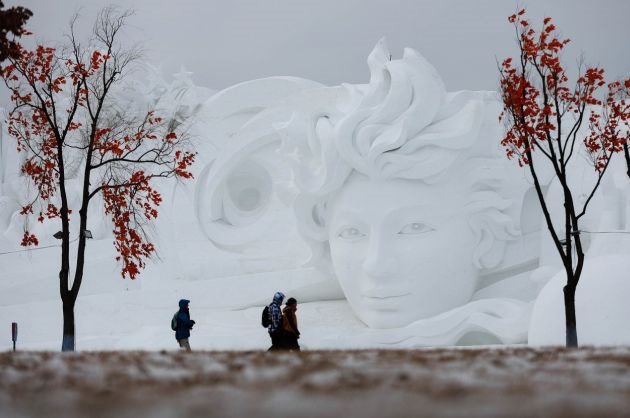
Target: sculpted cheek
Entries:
(347, 262)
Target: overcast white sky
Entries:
(229, 41)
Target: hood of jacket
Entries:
(278, 298)
(183, 303)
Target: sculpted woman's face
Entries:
(402, 250)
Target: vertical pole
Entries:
(14, 333)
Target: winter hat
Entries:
(291, 301)
(278, 297)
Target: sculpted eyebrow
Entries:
(348, 214)
(421, 211)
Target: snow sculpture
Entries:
(401, 188)
(407, 211)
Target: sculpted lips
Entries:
(384, 292)
(384, 303)
(383, 299)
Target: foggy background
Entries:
(229, 41)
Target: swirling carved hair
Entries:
(402, 125)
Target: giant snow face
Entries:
(402, 250)
(394, 183)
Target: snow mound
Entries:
(601, 305)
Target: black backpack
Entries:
(265, 320)
(174, 321)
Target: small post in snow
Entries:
(14, 333)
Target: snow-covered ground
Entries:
(514, 382)
(114, 314)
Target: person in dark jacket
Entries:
(275, 326)
(184, 325)
(289, 326)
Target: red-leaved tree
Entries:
(620, 92)
(12, 21)
(68, 124)
(548, 122)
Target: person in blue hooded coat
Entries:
(275, 323)
(184, 325)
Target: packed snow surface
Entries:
(600, 315)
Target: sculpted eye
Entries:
(415, 228)
(350, 233)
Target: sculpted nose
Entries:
(379, 261)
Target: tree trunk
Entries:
(626, 154)
(569, 311)
(68, 340)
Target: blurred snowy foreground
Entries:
(499, 382)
